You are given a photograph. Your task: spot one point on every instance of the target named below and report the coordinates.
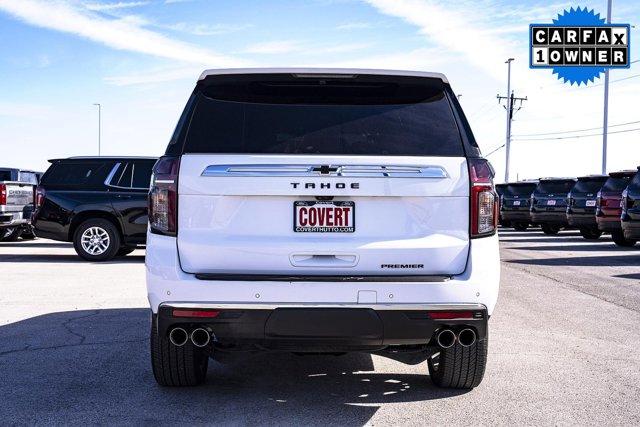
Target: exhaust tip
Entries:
(200, 337)
(446, 338)
(178, 337)
(467, 337)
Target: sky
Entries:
(140, 60)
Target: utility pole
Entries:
(605, 122)
(510, 98)
(99, 125)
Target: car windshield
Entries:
(588, 185)
(520, 190)
(555, 187)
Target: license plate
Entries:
(516, 203)
(551, 202)
(590, 203)
(324, 217)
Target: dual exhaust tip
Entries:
(199, 337)
(446, 338)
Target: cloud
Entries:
(274, 47)
(121, 34)
(114, 6)
(452, 28)
(355, 26)
(155, 76)
(207, 30)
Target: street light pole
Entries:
(605, 122)
(99, 125)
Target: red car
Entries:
(608, 208)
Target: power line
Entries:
(576, 136)
(493, 151)
(575, 130)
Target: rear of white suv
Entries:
(322, 210)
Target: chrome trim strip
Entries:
(107, 181)
(273, 306)
(332, 171)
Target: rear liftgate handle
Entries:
(323, 260)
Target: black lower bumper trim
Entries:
(321, 329)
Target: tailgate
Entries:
(19, 195)
(402, 215)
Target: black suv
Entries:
(549, 203)
(631, 209)
(514, 206)
(581, 205)
(98, 203)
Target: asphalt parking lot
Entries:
(563, 350)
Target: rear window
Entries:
(5, 176)
(519, 190)
(334, 118)
(588, 185)
(557, 187)
(28, 177)
(616, 184)
(635, 182)
(77, 173)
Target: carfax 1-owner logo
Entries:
(579, 45)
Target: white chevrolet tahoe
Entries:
(322, 211)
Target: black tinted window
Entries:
(77, 173)
(616, 184)
(29, 177)
(326, 120)
(142, 174)
(555, 187)
(123, 175)
(588, 185)
(5, 176)
(520, 190)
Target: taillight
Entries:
(484, 206)
(3, 194)
(163, 196)
(599, 200)
(38, 196)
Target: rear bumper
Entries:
(12, 219)
(322, 327)
(609, 223)
(582, 220)
(631, 229)
(516, 215)
(554, 218)
(166, 282)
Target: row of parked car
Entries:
(97, 203)
(593, 204)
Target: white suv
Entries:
(322, 210)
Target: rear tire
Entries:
(10, 234)
(176, 366)
(107, 238)
(590, 233)
(459, 367)
(550, 229)
(619, 239)
(520, 226)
